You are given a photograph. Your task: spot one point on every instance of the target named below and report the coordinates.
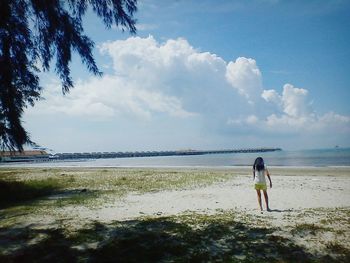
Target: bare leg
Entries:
(259, 199)
(266, 200)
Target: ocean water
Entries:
(317, 158)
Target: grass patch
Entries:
(226, 236)
(306, 228)
(39, 192)
(338, 251)
(335, 247)
(77, 198)
(16, 192)
(19, 185)
(186, 238)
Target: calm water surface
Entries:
(324, 157)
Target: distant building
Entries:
(25, 156)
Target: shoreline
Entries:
(182, 167)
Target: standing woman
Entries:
(259, 172)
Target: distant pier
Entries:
(98, 155)
(43, 156)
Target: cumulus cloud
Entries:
(294, 113)
(271, 96)
(151, 77)
(176, 80)
(245, 76)
(295, 102)
(107, 97)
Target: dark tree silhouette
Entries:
(34, 32)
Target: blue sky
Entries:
(207, 75)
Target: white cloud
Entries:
(294, 113)
(107, 97)
(150, 78)
(245, 76)
(329, 123)
(287, 124)
(333, 122)
(189, 88)
(271, 96)
(295, 102)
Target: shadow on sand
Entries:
(280, 211)
(154, 240)
(14, 192)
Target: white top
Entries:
(259, 176)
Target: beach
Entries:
(94, 208)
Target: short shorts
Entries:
(260, 187)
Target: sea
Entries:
(301, 158)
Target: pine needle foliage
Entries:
(38, 32)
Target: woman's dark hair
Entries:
(259, 164)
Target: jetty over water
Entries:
(97, 155)
(33, 156)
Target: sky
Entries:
(206, 75)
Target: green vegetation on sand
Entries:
(33, 229)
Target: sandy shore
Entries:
(294, 189)
(297, 189)
(97, 209)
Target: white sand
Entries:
(289, 194)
